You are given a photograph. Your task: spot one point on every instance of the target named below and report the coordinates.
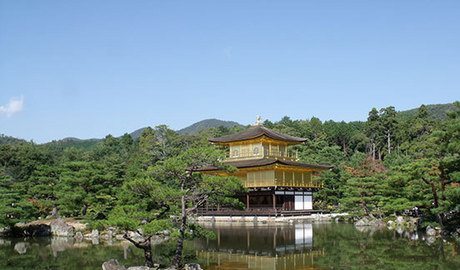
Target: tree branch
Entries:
(138, 245)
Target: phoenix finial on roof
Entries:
(258, 120)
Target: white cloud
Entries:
(14, 106)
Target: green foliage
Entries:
(390, 163)
(13, 205)
(221, 190)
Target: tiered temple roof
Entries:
(255, 132)
(267, 162)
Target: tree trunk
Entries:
(345, 148)
(443, 185)
(177, 260)
(440, 216)
(146, 246)
(148, 254)
(389, 142)
(435, 195)
(84, 209)
(371, 150)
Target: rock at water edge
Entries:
(192, 266)
(112, 264)
(362, 222)
(60, 228)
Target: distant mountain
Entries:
(207, 123)
(137, 133)
(435, 111)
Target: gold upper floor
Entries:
(260, 148)
(280, 178)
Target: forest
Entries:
(384, 166)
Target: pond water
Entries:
(284, 247)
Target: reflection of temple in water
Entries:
(259, 247)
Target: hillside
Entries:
(75, 142)
(435, 111)
(207, 123)
(8, 139)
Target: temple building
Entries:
(276, 181)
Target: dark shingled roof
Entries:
(266, 162)
(256, 132)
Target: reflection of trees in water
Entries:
(60, 253)
(346, 247)
(334, 246)
(338, 246)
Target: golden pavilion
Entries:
(276, 181)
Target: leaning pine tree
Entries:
(143, 211)
(182, 173)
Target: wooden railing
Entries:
(280, 183)
(246, 154)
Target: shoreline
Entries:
(267, 219)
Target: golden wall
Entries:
(281, 178)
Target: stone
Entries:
(112, 264)
(115, 265)
(60, 228)
(95, 233)
(95, 241)
(94, 236)
(376, 223)
(430, 231)
(362, 222)
(78, 236)
(111, 231)
(430, 240)
(400, 220)
(192, 266)
(109, 234)
(21, 247)
(391, 225)
(165, 232)
(5, 231)
(135, 236)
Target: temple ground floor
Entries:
(268, 202)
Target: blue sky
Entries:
(89, 68)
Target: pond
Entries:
(281, 247)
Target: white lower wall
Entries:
(303, 202)
(307, 202)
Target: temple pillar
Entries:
(247, 201)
